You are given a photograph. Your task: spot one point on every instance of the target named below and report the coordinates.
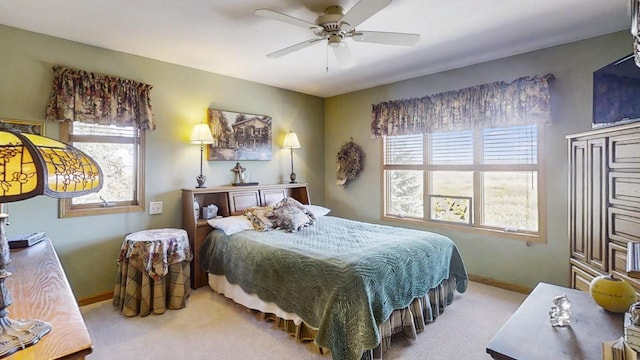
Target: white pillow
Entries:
(231, 224)
(317, 210)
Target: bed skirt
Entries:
(410, 320)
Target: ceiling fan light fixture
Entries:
(335, 41)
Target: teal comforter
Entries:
(340, 276)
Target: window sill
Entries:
(93, 211)
(433, 225)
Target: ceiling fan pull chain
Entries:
(327, 58)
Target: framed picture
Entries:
(453, 209)
(23, 126)
(239, 136)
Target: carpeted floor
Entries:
(214, 327)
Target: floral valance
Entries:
(94, 98)
(522, 101)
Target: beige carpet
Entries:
(214, 327)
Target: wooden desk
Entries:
(528, 334)
(40, 290)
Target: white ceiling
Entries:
(226, 37)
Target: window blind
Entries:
(403, 150)
(80, 128)
(511, 145)
(452, 148)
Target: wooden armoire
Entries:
(604, 202)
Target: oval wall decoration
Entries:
(350, 163)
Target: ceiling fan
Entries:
(334, 26)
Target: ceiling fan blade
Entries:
(286, 18)
(292, 48)
(343, 55)
(363, 10)
(389, 38)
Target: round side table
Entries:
(153, 272)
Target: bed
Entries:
(349, 285)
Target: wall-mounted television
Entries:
(616, 93)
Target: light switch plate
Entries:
(155, 207)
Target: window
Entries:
(484, 179)
(120, 153)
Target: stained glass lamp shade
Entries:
(32, 165)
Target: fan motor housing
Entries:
(330, 20)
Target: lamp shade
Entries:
(32, 165)
(291, 141)
(201, 134)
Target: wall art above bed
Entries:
(239, 136)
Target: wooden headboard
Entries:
(230, 200)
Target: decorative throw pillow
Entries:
(291, 215)
(259, 217)
(293, 202)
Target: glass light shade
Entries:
(201, 134)
(33, 165)
(291, 141)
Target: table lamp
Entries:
(201, 135)
(32, 165)
(291, 142)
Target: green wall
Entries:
(88, 246)
(502, 259)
